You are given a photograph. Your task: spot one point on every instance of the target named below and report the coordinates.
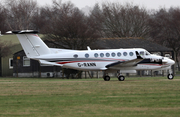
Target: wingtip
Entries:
(22, 31)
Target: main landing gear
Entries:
(120, 78)
(106, 77)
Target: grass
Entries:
(135, 97)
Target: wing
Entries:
(129, 63)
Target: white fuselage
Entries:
(99, 59)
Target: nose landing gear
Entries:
(170, 76)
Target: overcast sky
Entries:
(150, 4)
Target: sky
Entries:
(150, 4)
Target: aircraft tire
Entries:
(121, 78)
(107, 78)
(170, 76)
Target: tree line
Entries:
(67, 26)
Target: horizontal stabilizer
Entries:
(23, 32)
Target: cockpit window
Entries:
(147, 53)
(142, 53)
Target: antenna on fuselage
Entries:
(89, 49)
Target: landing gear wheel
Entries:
(107, 78)
(121, 78)
(170, 76)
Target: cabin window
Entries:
(96, 55)
(125, 53)
(113, 54)
(107, 54)
(26, 61)
(87, 55)
(102, 55)
(75, 56)
(118, 54)
(131, 53)
(10, 63)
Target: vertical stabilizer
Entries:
(32, 43)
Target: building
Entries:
(25, 67)
(7, 62)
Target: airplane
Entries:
(107, 60)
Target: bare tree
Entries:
(122, 20)
(3, 17)
(5, 50)
(20, 13)
(42, 18)
(69, 27)
(165, 29)
(97, 19)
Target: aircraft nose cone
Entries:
(168, 61)
(171, 62)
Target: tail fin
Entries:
(32, 43)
